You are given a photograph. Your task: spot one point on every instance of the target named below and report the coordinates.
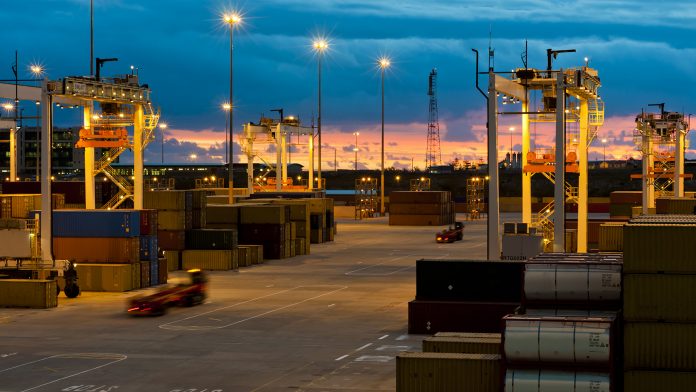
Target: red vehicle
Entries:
(185, 294)
(452, 234)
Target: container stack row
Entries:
(115, 250)
(425, 208)
(19, 206)
(464, 295)
(660, 303)
(568, 337)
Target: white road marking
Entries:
(364, 347)
(208, 327)
(383, 337)
(7, 355)
(374, 358)
(331, 305)
(102, 356)
(341, 357)
(402, 337)
(393, 348)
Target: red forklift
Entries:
(190, 293)
(451, 234)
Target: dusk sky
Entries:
(643, 55)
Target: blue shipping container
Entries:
(148, 248)
(96, 223)
(154, 272)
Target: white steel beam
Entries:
(679, 164)
(526, 177)
(493, 194)
(46, 218)
(138, 125)
(90, 192)
(509, 88)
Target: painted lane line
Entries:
(383, 337)
(378, 264)
(76, 374)
(208, 327)
(341, 357)
(364, 347)
(331, 305)
(402, 337)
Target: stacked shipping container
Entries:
(115, 250)
(464, 295)
(19, 206)
(659, 303)
(427, 208)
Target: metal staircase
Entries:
(103, 165)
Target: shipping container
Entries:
(626, 197)
(416, 220)
(96, 223)
(145, 280)
(425, 197)
(135, 276)
(198, 218)
(171, 220)
(164, 200)
(163, 271)
(559, 340)
(154, 273)
(447, 372)
(173, 258)
(214, 260)
(16, 243)
(226, 214)
(474, 335)
(243, 256)
(675, 205)
(148, 248)
(105, 277)
(104, 250)
(652, 381)
(469, 280)
(429, 317)
(669, 346)
(148, 222)
(171, 239)
(28, 293)
(660, 297)
(20, 205)
(659, 248)
(611, 237)
(263, 214)
(415, 209)
(210, 239)
(525, 380)
(270, 236)
(576, 282)
(442, 344)
(74, 191)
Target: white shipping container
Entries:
(15, 243)
(584, 341)
(559, 282)
(555, 381)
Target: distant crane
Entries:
(433, 154)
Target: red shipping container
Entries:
(148, 222)
(429, 317)
(97, 250)
(171, 239)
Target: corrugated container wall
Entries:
(660, 297)
(660, 346)
(446, 372)
(28, 293)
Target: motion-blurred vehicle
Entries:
(189, 293)
(453, 233)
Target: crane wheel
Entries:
(72, 291)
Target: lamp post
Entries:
(356, 149)
(232, 20)
(162, 127)
(512, 129)
(604, 143)
(383, 65)
(227, 108)
(37, 71)
(320, 46)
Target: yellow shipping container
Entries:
(445, 372)
(164, 200)
(28, 293)
(468, 345)
(136, 276)
(173, 260)
(659, 248)
(106, 277)
(171, 220)
(244, 256)
(660, 297)
(213, 260)
(669, 346)
(652, 381)
(225, 214)
(469, 335)
(262, 214)
(611, 237)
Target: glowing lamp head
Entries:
(226, 106)
(232, 18)
(8, 106)
(384, 62)
(36, 69)
(163, 125)
(320, 45)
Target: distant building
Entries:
(441, 169)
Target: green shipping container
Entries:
(669, 346)
(211, 239)
(659, 248)
(660, 297)
(28, 293)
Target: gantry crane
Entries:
(567, 96)
(433, 154)
(277, 133)
(661, 139)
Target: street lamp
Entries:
(162, 127)
(232, 19)
(356, 149)
(320, 46)
(384, 63)
(512, 129)
(226, 107)
(604, 143)
(193, 157)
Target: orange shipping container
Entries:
(97, 250)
